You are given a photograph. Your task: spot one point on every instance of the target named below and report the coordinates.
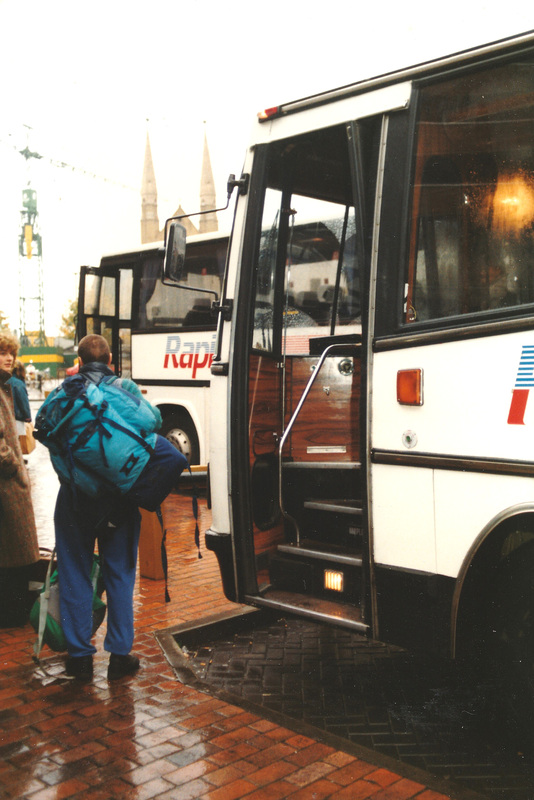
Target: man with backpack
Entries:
(96, 501)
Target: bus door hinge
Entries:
(241, 183)
(225, 309)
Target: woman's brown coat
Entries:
(18, 538)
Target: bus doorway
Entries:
(298, 361)
(105, 308)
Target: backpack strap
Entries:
(69, 411)
(194, 502)
(164, 562)
(97, 426)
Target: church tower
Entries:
(149, 200)
(207, 222)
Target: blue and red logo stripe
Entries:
(523, 384)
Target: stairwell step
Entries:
(341, 614)
(308, 550)
(334, 506)
(340, 466)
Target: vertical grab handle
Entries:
(290, 424)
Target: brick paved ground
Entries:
(150, 736)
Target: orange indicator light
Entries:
(410, 387)
(333, 580)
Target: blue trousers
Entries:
(80, 522)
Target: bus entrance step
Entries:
(339, 522)
(334, 576)
(335, 506)
(309, 549)
(341, 614)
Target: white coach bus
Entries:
(372, 447)
(161, 335)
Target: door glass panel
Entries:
(125, 344)
(266, 271)
(107, 296)
(472, 230)
(125, 294)
(319, 295)
(307, 271)
(107, 332)
(92, 325)
(91, 294)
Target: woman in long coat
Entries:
(19, 548)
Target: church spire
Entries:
(149, 199)
(207, 222)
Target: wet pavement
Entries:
(314, 713)
(423, 712)
(153, 736)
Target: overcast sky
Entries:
(79, 82)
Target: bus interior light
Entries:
(410, 387)
(333, 580)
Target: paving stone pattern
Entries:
(427, 713)
(152, 736)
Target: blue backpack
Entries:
(100, 436)
(101, 440)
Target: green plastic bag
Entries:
(45, 616)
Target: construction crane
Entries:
(30, 261)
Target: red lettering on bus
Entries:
(192, 361)
(200, 364)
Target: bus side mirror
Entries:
(173, 264)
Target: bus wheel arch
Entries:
(179, 428)
(511, 533)
(495, 624)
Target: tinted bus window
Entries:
(472, 241)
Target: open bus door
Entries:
(105, 308)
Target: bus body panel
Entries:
(403, 517)
(468, 391)
(428, 518)
(172, 400)
(176, 356)
(483, 499)
(379, 101)
(220, 447)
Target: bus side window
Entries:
(435, 292)
(472, 228)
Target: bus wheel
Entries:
(513, 650)
(180, 431)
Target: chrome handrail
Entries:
(292, 421)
